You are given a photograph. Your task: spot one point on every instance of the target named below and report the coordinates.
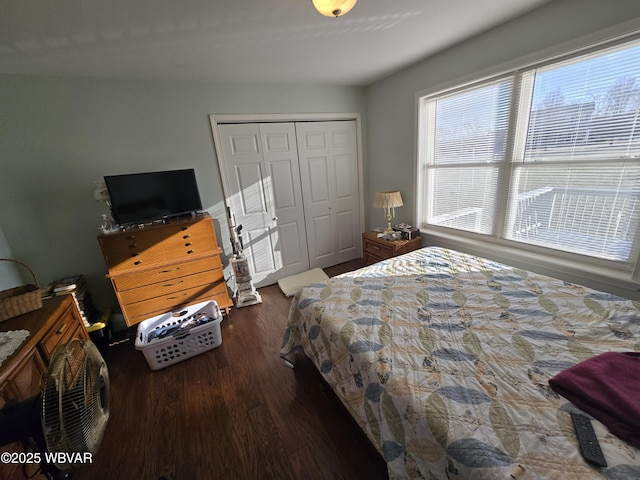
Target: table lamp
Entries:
(388, 201)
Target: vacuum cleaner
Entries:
(246, 294)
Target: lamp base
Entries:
(388, 230)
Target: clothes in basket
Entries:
(176, 336)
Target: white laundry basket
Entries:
(175, 336)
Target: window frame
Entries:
(571, 266)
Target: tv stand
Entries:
(161, 267)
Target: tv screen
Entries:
(144, 197)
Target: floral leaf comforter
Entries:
(444, 360)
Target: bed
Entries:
(444, 360)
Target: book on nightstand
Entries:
(407, 232)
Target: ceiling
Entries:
(236, 40)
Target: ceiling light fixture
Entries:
(334, 8)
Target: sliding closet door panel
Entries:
(329, 175)
(281, 161)
(249, 196)
(262, 182)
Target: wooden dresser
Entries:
(22, 373)
(375, 248)
(158, 268)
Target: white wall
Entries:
(57, 136)
(391, 102)
(10, 272)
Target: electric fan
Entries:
(68, 419)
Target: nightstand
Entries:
(375, 249)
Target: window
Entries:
(547, 157)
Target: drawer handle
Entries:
(133, 245)
(188, 244)
(185, 228)
(62, 329)
(170, 270)
(178, 296)
(137, 262)
(131, 237)
(189, 252)
(172, 284)
(375, 247)
(135, 254)
(186, 236)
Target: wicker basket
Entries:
(19, 300)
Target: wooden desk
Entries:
(22, 373)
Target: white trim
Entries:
(217, 119)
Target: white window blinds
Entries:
(565, 155)
(466, 154)
(576, 187)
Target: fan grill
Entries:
(75, 401)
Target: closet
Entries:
(295, 189)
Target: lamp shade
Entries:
(334, 8)
(387, 200)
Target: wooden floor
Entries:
(236, 412)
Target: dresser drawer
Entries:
(138, 259)
(173, 285)
(378, 250)
(68, 326)
(221, 298)
(138, 249)
(166, 273)
(139, 311)
(133, 240)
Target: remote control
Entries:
(589, 445)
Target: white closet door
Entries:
(282, 167)
(262, 186)
(329, 173)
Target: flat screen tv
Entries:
(145, 197)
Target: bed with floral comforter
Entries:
(444, 359)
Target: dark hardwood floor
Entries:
(235, 412)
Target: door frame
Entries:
(217, 119)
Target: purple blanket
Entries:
(607, 387)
